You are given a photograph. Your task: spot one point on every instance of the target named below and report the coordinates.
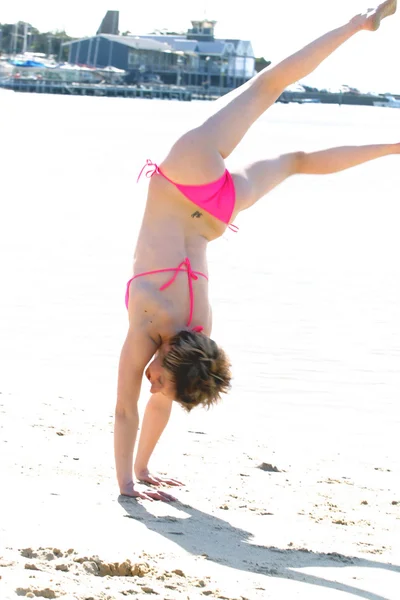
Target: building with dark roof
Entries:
(195, 59)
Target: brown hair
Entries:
(200, 369)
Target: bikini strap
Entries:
(185, 265)
(151, 169)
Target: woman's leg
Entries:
(261, 177)
(198, 156)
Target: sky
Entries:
(276, 28)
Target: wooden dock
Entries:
(173, 92)
(94, 89)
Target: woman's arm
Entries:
(155, 419)
(136, 353)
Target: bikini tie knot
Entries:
(149, 169)
(191, 275)
(184, 267)
(189, 269)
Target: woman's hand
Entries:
(140, 491)
(146, 477)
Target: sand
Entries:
(292, 483)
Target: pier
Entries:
(40, 86)
(173, 92)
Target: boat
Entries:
(389, 102)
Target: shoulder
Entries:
(138, 349)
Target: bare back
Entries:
(172, 229)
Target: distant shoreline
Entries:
(184, 93)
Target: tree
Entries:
(6, 37)
(261, 63)
(12, 40)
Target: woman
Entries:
(167, 298)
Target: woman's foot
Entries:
(371, 19)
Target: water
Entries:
(306, 297)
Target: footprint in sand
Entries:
(34, 593)
(95, 566)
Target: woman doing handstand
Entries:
(192, 199)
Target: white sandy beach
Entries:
(293, 482)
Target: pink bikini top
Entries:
(217, 198)
(191, 275)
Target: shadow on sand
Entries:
(220, 537)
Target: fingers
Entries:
(173, 482)
(136, 494)
(143, 496)
(163, 481)
(167, 497)
(148, 494)
(163, 496)
(152, 480)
